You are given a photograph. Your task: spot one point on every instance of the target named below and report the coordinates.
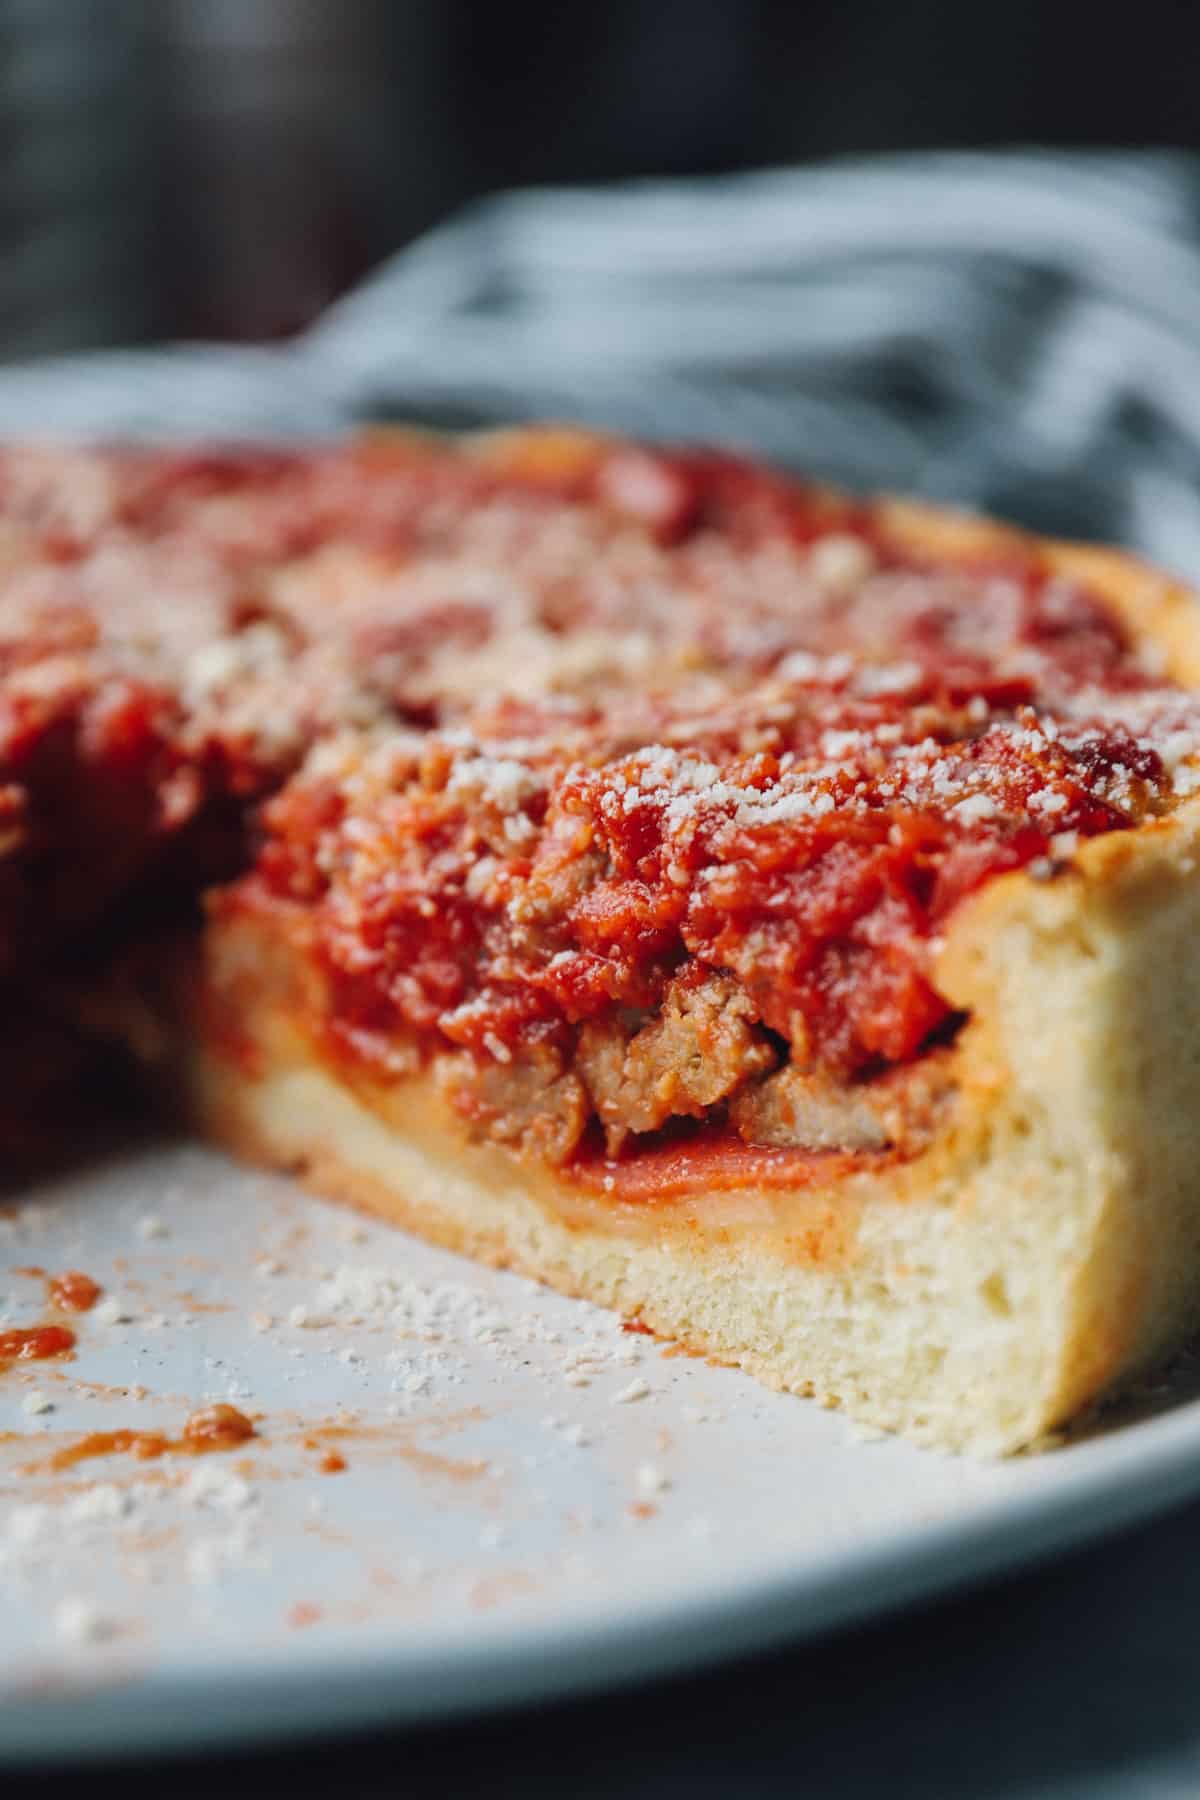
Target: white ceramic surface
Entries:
(517, 1518)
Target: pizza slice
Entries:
(767, 914)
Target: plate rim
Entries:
(1122, 1479)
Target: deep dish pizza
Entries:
(769, 914)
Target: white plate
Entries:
(508, 1526)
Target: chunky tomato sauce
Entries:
(35, 1343)
(177, 629)
(73, 1291)
(812, 840)
(555, 729)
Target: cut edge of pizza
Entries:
(1023, 1251)
(1040, 1251)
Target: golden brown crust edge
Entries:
(1132, 1299)
(1152, 606)
(1135, 1048)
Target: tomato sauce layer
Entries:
(503, 884)
(624, 778)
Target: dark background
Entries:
(221, 168)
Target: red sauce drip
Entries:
(36, 1343)
(145, 1445)
(217, 1427)
(332, 1463)
(73, 1291)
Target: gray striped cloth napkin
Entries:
(1018, 331)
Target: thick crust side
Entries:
(1114, 1055)
(1043, 1250)
(1084, 996)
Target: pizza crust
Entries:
(1155, 609)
